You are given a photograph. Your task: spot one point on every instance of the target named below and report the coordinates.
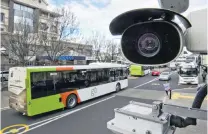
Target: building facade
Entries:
(35, 14)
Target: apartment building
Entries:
(33, 12)
(36, 14)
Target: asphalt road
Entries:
(90, 120)
(89, 117)
(156, 84)
(150, 82)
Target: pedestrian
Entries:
(167, 89)
(204, 74)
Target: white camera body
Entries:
(196, 36)
(178, 6)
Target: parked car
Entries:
(4, 75)
(155, 73)
(165, 76)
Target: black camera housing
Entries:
(158, 23)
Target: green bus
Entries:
(137, 70)
(40, 89)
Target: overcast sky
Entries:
(97, 14)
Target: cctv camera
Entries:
(150, 36)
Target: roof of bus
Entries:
(73, 67)
(134, 65)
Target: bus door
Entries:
(44, 94)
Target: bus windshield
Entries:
(190, 59)
(188, 72)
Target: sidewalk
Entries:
(178, 98)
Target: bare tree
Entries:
(111, 51)
(58, 32)
(22, 45)
(98, 41)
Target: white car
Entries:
(165, 76)
(4, 75)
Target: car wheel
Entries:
(118, 87)
(71, 101)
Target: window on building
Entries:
(43, 26)
(39, 1)
(53, 29)
(23, 18)
(52, 16)
(16, 6)
(44, 14)
(2, 17)
(53, 38)
(5, 3)
(44, 36)
(2, 29)
(18, 13)
(28, 21)
(30, 10)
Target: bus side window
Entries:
(93, 77)
(38, 86)
(51, 82)
(112, 75)
(106, 75)
(80, 81)
(103, 76)
(125, 73)
(119, 74)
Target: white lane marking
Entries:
(147, 82)
(46, 121)
(4, 108)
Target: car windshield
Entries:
(165, 73)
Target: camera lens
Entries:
(148, 45)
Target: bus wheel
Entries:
(71, 101)
(118, 87)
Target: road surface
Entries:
(89, 117)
